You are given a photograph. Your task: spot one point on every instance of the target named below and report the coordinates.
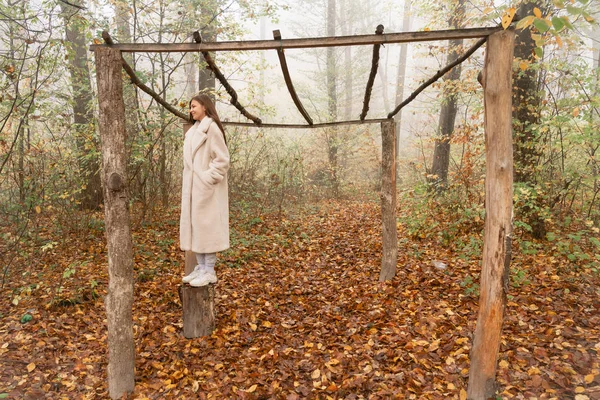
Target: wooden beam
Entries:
(356, 40)
(497, 80)
(107, 38)
(230, 90)
(119, 300)
(389, 257)
(371, 80)
(437, 76)
(302, 126)
(288, 80)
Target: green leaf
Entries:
(26, 318)
(574, 10)
(541, 25)
(3, 395)
(558, 23)
(539, 52)
(567, 22)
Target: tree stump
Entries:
(198, 310)
(198, 304)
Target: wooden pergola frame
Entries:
(497, 83)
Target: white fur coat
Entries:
(204, 222)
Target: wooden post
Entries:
(388, 200)
(497, 83)
(198, 303)
(119, 301)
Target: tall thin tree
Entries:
(401, 80)
(449, 109)
(83, 116)
(527, 100)
(332, 137)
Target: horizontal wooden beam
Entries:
(305, 126)
(356, 40)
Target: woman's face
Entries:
(197, 110)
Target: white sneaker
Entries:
(194, 274)
(204, 279)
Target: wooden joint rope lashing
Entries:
(230, 90)
(374, 66)
(288, 80)
(438, 75)
(136, 81)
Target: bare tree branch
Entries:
(72, 5)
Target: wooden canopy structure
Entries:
(497, 83)
(280, 45)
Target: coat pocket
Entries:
(202, 193)
(207, 179)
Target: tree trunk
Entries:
(206, 80)
(332, 137)
(162, 159)
(388, 201)
(384, 87)
(402, 72)
(122, 17)
(347, 65)
(498, 217)
(21, 162)
(526, 115)
(83, 116)
(441, 154)
(119, 301)
(596, 45)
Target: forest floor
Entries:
(300, 314)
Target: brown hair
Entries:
(211, 111)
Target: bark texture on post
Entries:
(388, 201)
(198, 310)
(497, 84)
(119, 301)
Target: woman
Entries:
(204, 222)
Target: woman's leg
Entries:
(199, 259)
(208, 274)
(210, 261)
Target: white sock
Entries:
(210, 261)
(200, 260)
